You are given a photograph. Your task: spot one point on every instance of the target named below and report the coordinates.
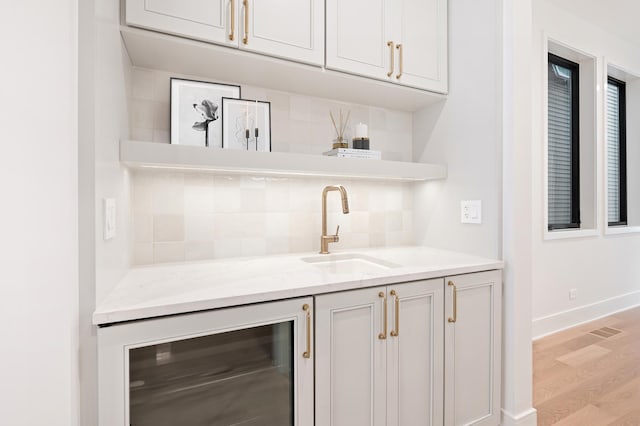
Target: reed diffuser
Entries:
(340, 140)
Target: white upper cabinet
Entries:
(422, 45)
(207, 20)
(401, 41)
(290, 29)
(358, 32)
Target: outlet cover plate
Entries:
(109, 214)
(471, 211)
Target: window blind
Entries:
(613, 152)
(560, 146)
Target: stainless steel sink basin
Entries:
(349, 263)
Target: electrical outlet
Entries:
(109, 214)
(471, 211)
(573, 293)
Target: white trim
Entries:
(554, 323)
(570, 233)
(620, 230)
(526, 418)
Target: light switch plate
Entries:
(471, 211)
(109, 214)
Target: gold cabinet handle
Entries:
(399, 47)
(307, 309)
(396, 332)
(232, 35)
(383, 335)
(245, 3)
(455, 302)
(393, 58)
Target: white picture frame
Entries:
(196, 111)
(240, 115)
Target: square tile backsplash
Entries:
(195, 216)
(190, 216)
(299, 123)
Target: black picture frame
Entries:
(240, 113)
(196, 107)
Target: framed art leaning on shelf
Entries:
(196, 111)
(246, 125)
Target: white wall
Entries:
(603, 268)
(39, 250)
(464, 133)
(112, 85)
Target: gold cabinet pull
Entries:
(396, 332)
(383, 335)
(400, 59)
(232, 35)
(245, 3)
(307, 309)
(455, 302)
(393, 58)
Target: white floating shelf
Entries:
(165, 156)
(153, 50)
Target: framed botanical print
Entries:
(196, 111)
(246, 124)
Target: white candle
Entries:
(246, 117)
(361, 130)
(256, 115)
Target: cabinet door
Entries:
(415, 354)
(249, 365)
(357, 35)
(423, 42)
(208, 20)
(291, 29)
(472, 349)
(350, 358)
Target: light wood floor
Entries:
(589, 375)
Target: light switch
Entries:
(109, 215)
(471, 211)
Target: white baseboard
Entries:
(557, 322)
(526, 418)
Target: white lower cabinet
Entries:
(472, 349)
(249, 365)
(422, 353)
(379, 357)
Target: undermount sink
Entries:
(349, 263)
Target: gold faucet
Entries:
(326, 239)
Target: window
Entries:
(563, 144)
(616, 152)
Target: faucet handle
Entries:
(337, 230)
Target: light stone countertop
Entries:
(168, 289)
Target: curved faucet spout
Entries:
(326, 239)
